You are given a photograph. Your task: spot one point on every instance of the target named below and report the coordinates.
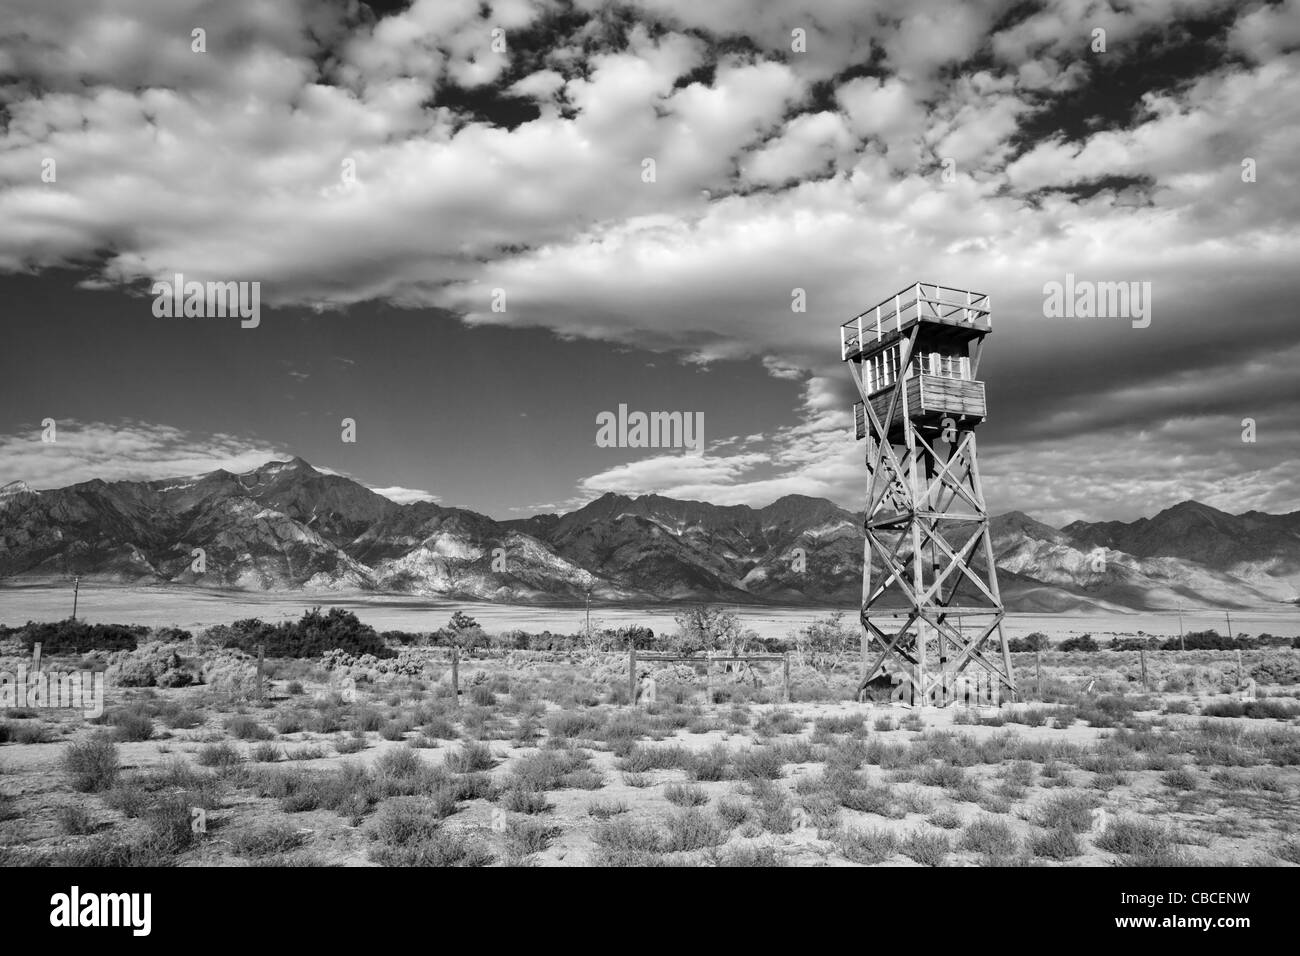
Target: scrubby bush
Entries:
(151, 665)
(78, 637)
(1036, 641)
(92, 763)
(1084, 642)
(311, 636)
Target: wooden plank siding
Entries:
(927, 396)
(952, 395)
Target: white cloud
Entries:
(405, 496)
(130, 451)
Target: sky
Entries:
(477, 226)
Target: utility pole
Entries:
(589, 612)
(1182, 645)
(76, 590)
(1229, 617)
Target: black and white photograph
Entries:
(778, 434)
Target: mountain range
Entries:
(287, 525)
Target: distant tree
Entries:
(312, 635)
(1210, 640)
(824, 641)
(1084, 642)
(464, 632)
(705, 628)
(1036, 641)
(1135, 644)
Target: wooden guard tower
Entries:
(930, 600)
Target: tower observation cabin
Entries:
(931, 610)
(939, 373)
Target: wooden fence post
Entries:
(1238, 667)
(455, 675)
(1142, 656)
(261, 672)
(1038, 670)
(785, 675)
(708, 676)
(631, 673)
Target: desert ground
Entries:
(349, 760)
(191, 608)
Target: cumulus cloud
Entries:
(129, 451)
(405, 496)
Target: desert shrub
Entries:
(945, 820)
(265, 753)
(642, 759)
(762, 763)
(1030, 716)
(568, 724)
(264, 839)
(554, 768)
(409, 832)
(520, 799)
(524, 837)
(777, 722)
(1210, 640)
(75, 820)
(991, 837)
(684, 795)
(169, 824)
(1277, 669)
(25, 732)
(218, 755)
(941, 775)
(1181, 779)
(181, 718)
(1067, 811)
(1036, 641)
(605, 810)
(128, 796)
(1134, 838)
(78, 637)
(710, 765)
(311, 636)
(395, 730)
(749, 855)
(928, 849)
(868, 847)
(825, 729)
(243, 727)
(1057, 844)
(1083, 642)
(439, 728)
(92, 763)
(1255, 709)
(288, 722)
(623, 842)
(350, 744)
(692, 829)
(129, 723)
(471, 756)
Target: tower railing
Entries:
(920, 300)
